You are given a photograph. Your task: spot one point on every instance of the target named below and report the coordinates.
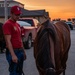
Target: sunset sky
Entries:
(57, 8)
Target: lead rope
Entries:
(23, 73)
(64, 72)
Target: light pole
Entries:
(6, 14)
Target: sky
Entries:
(57, 8)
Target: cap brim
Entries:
(18, 12)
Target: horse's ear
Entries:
(39, 24)
(46, 22)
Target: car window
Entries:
(69, 23)
(23, 23)
(28, 21)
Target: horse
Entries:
(51, 48)
(2, 40)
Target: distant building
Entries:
(41, 15)
(11, 3)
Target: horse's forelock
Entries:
(47, 26)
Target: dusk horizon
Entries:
(63, 9)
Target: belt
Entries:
(18, 48)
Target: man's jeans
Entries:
(15, 68)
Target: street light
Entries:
(6, 14)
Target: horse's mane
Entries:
(43, 45)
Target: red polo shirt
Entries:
(13, 29)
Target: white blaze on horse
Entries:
(51, 47)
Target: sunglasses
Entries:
(17, 14)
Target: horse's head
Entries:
(42, 46)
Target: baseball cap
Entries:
(16, 10)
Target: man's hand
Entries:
(14, 59)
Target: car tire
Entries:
(29, 43)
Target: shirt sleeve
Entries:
(7, 29)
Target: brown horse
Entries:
(51, 47)
(2, 41)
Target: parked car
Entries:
(69, 23)
(29, 31)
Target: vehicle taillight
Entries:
(22, 31)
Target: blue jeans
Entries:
(15, 68)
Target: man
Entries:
(15, 53)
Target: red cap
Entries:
(16, 10)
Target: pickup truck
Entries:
(29, 32)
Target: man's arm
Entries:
(24, 52)
(10, 48)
